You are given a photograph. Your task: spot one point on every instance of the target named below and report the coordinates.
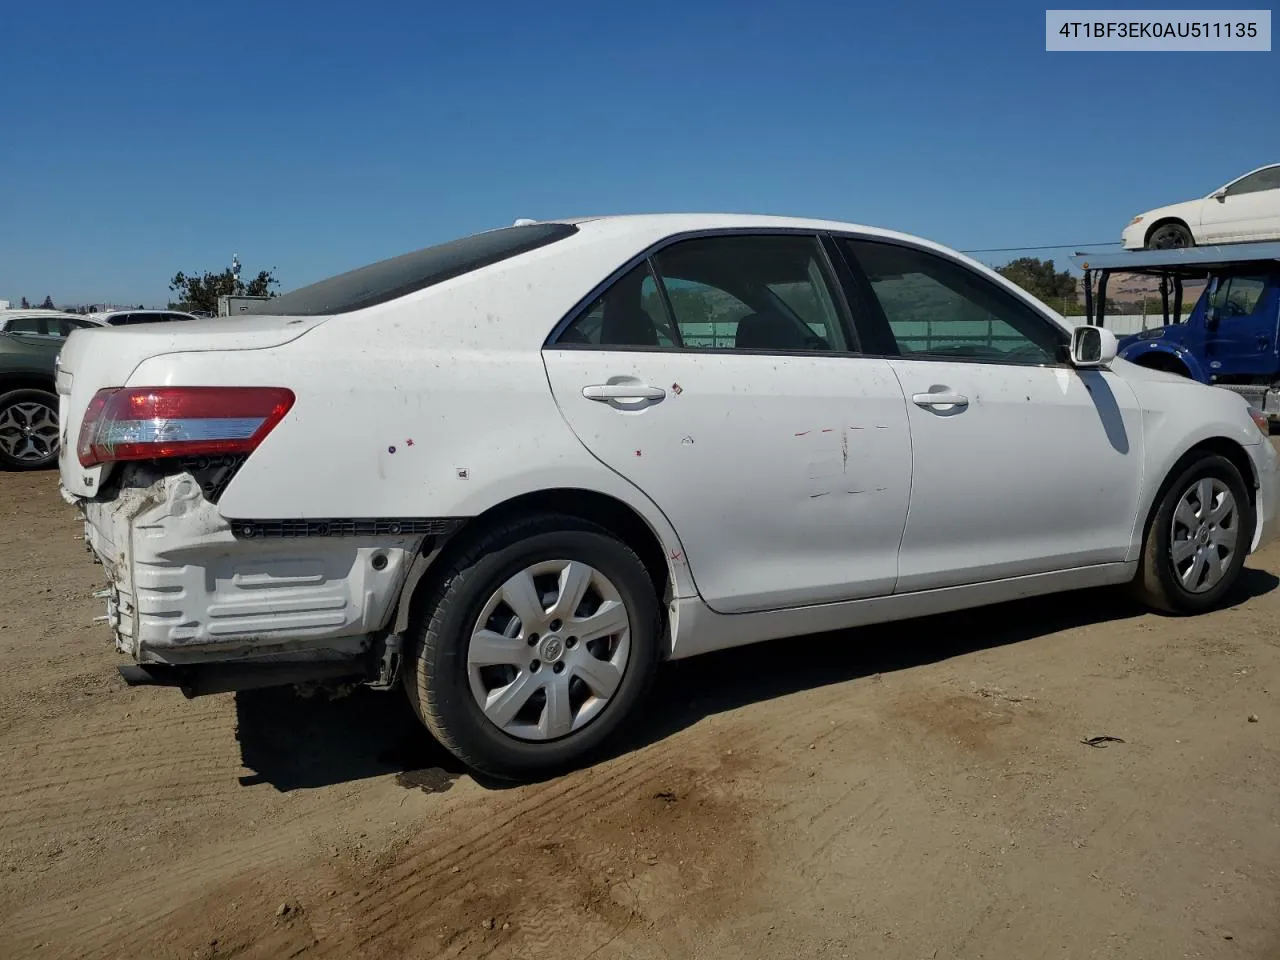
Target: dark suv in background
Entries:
(30, 341)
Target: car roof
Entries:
(35, 312)
(652, 227)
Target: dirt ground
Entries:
(914, 791)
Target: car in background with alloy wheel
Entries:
(29, 344)
(510, 474)
(1245, 210)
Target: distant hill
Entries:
(1133, 288)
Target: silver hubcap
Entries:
(29, 431)
(1205, 534)
(549, 650)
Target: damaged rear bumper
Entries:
(187, 589)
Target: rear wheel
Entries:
(1170, 236)
(1197, 539)
(538, 643)
(28, 429)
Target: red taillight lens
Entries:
(145, 423)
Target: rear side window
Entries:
(769, 293)
(751, 293)
(66, 326)
(29, 325)
(628, 314)
(410, 272)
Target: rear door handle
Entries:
(636, 392)
(940, 400)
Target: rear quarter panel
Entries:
(399, 412)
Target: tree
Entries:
(48, 304)
(1040, 279)
(202, 292)
(26, 304)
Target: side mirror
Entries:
(1092, 347)
(1220, 194)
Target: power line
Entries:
(1054, 246)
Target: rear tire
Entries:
(28, 429)
(487, 680)
(1197, 539)
(1170, 236)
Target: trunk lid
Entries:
(96, 358)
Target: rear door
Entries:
(718, 377)
(1022, 464)
(1250, 210)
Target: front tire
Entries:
(535, 646)
(28, 429)
(1197, 539)
(1170, 236)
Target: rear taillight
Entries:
(146, 423)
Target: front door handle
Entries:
(940, 400)
(623, 392)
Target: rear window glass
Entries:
(405, 274)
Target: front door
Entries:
(718, 378)
(1021, 464)
(1240, 325)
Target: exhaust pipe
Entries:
(205, 679)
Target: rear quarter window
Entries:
(389, 279)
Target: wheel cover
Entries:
(1171, 241)
(549, 650)
(29, 431)
(1204, 535)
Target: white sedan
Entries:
(1246, 209)
(511, 473)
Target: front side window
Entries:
(768, 293)
(936, 308)
(1237, 296)
(1266, 179)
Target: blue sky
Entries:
(149, 137)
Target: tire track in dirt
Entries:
(473, 876)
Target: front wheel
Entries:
(1170, 236)
(538, 642)
(1197, 539)
(28, 429)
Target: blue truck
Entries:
(1231, 337)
